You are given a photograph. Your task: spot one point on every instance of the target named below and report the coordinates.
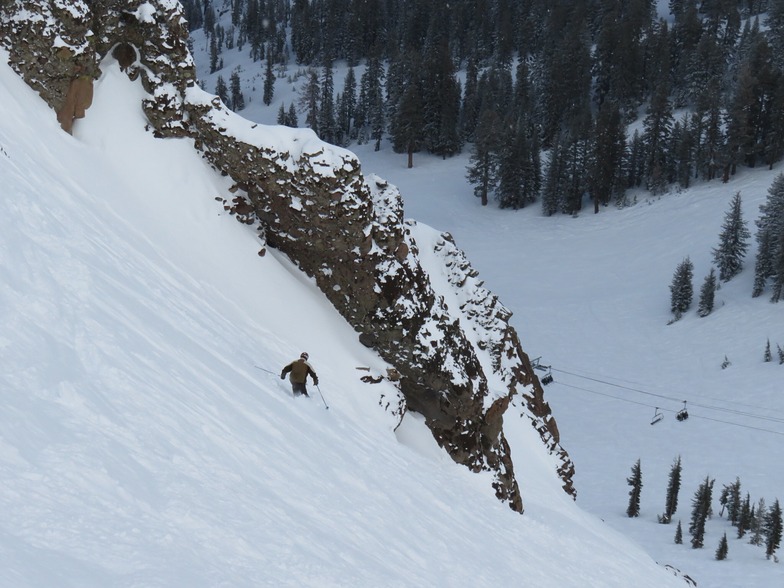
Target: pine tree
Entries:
(707, 131)
(406, 117)
(773, 529)
(733, 242)
(440, 101)
(514, 161)
(281, 120)
(701, 511)
(309, 100)
(469, 109)
(552, 188)
(679, 534)
(634, 161)
(193, 13)
(683, 148)
(745, 516)
(757, 526)
(770, 239)
(348, 105)
(214, 54)
(408, 135)
(733, 502)
(608, 150)
(721, 552)
(767, 357)
(781, 354)
(481, 171)
(291, 117)
(740, 135)
(635, 481)
(657, 130)
(775, 24)
(681, 289)
(370, 105)
(269, 82)
(209, 17)
(673, 488)
(326, 111)
(222, 90)
(707, 294)
(237, 99)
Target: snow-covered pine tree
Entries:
(733, 241)
(707, 294)
(721, 552)
(770, 239)
(681, 289)
(781, 354)
(773, 529)
(701, 510)
(673, 488)
(730, 498)
(767, 356)
(281, 120)
(757, 526)
(763, 267)
(635, 481)
(679, 534)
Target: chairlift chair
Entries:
(683, 414)
(657, 416)
(548, 377)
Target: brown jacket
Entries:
(300, 369)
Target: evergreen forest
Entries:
(566, 103)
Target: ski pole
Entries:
(263, 370)
(322, 397)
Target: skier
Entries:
(300, 369)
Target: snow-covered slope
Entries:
(591, 296)
(142, 442)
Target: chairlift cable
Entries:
(674, 399)
(669, 409)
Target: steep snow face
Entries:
(142, 442)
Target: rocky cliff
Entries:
(344, 229)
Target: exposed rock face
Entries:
(343, 229)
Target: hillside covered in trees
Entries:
(563, 102)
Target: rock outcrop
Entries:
(312, 202)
